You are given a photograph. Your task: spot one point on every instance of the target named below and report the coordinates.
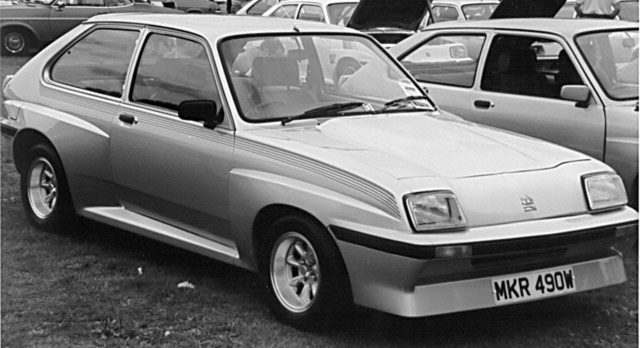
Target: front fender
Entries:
(31, 26)
(622, 155)
(252, 191)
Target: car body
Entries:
(549, 54)
(29, 25)
(336, 12)
(360, 192)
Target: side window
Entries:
(444, 13)
(448, 60)
(311, 13)
(261, 7)
(527, 65)
(285, 11)
(172, 70)
(98, 62)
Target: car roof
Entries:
(214, 27)
(564, 27)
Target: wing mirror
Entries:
(577, 93)
(201, 111)
(60, 5)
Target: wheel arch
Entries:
(21, 26)
(23, 142)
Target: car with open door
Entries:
(571, 82)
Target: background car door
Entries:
(520, 87)
(64, 17)
(165, 168)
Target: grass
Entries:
(97, 286)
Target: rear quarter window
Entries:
(98, 62)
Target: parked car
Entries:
(30, 25)
(571, 82)
(328, 11)
(389, 22)
(459, 10)
(198, 6)
(256, 7)
(363, 193)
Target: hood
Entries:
(409, 145)
(527, 8)
(399, 14)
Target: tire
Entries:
(15, 41)
(304, 274)
(45, 193)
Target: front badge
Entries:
(528, 204)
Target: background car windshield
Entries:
(281, 76)
(613, 58)
(478, 11)
(340, 14)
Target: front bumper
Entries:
(410, 281)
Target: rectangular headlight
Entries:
(604, 190)
(434, 211)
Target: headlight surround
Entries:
(604, 190)
(435, 211)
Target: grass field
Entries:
(96, 286)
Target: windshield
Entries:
(340, 14)
(478, 11)
(613, 58)
(278, 78)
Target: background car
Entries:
(198, 6)
(256, 7)
(364, 194)
(456, 10)
(389, 21)
(571, 82)
(328, 11)
(30, 25)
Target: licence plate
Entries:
(534, 285)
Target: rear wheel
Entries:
(304, 273)
(15, 41)
(43, 185)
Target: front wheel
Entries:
(304, 273)
(43, 185)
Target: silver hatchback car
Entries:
(232, 139)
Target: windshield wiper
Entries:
(405, 101)
(327, 110)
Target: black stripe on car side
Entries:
(480, 249)
(8, 130)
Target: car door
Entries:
(519, 90)
(166, 168)
(66, 14)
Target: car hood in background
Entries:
(527, 8)
(401, 14)
(409, 146)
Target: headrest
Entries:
(275, 71)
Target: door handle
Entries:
(128, 119)
(483, 104)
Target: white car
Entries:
(571, 82)
(256, 7)
(459, 10)
(328, 11)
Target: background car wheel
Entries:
(45, 194)
(304, 274)
(15, 41)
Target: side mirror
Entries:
(60, 5)
(577, 93)
(202, 111)
(628, 42)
